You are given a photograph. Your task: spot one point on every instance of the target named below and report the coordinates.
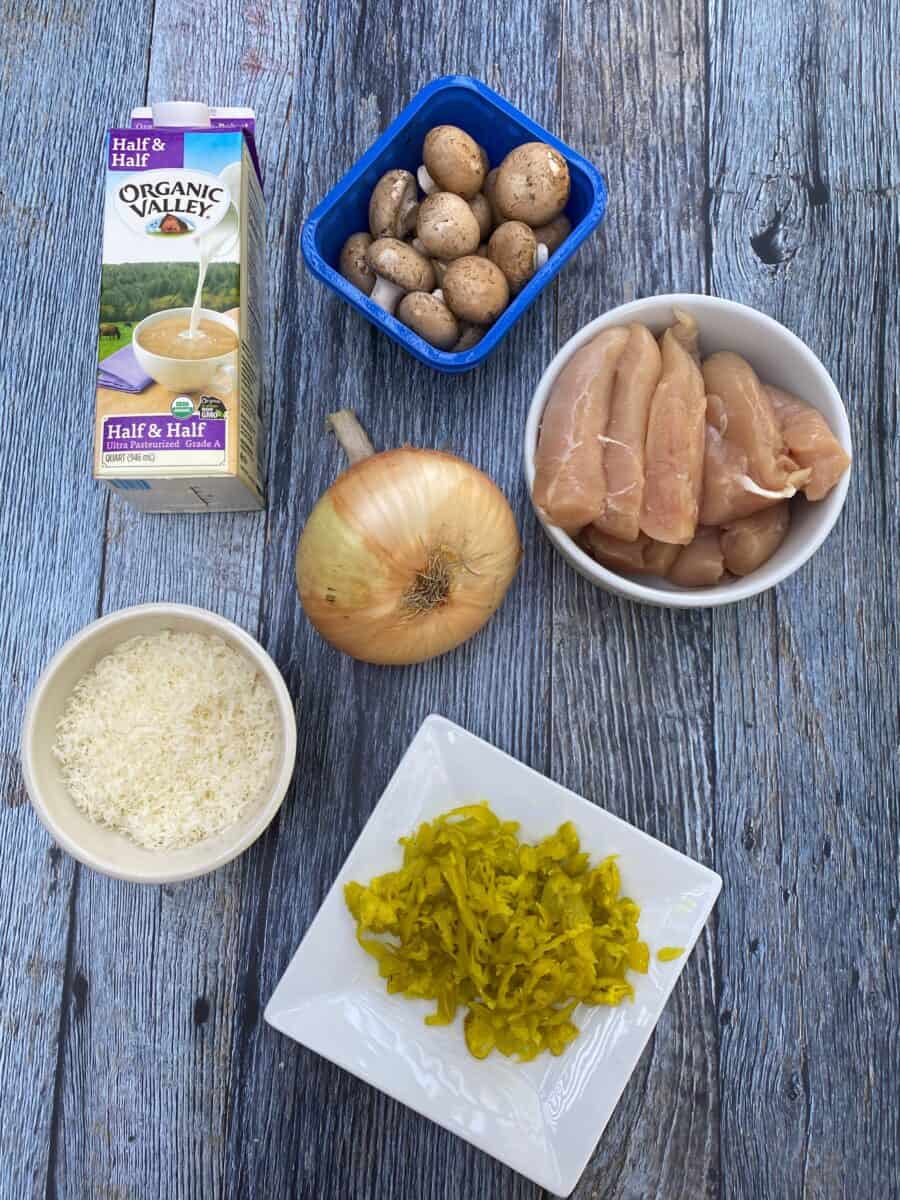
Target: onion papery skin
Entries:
(374, 532)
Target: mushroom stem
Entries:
(541, 255)
(426, 183)
(438, 295)
(386, 294)
(353, 438)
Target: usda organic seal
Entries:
(182, 407)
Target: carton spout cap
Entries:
(181, 112)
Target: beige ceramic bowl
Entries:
(103, 849)
(779, 358)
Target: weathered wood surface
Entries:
(53, 99)
(631, 704)
(751, 150)
(805, 223)
(156, 1021)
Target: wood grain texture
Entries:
(804, 224)
(157, 992)
(337, 1137)
(51, 514)
(750, 150)
(631, 705)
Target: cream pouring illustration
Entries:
(191, 349)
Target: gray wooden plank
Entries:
(145, 1079)
(171, 1084)
(335, 1137)
(632, 720)
(51, 515)
(805, 224)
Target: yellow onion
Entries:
(407, 554)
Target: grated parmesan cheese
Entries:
(168, 739)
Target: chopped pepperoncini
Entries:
(517, 934)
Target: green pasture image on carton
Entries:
(113, 336)
(131, 291)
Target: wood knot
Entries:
(771, 246)
(80, 993)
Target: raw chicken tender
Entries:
(728, 491)
(637, 375)
(659, 556)
(673, 451)
(747, 419)
(808, 437)
(748, 543)
(701, 563)
(570, 481)
(686, 332)
(642, 556)
(659, 466)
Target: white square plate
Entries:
(542, 1118)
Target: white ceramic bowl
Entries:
(779, 358)
(104, 849)
(182, 374)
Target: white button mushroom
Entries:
(483, 215)
(554, 233)
(515, 250)
(475, 290)
(489, 190)
(399, 269)
(447, 227)
(454, 162)
(532, 184)
(431, 319)
(394, 205)
(354, 265)
(469, 336)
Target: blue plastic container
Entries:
(496, 125)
